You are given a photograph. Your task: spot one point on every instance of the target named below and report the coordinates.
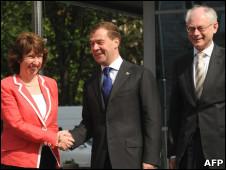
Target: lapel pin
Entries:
(127, 73)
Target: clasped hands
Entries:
(64, 140)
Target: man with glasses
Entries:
(197, 109)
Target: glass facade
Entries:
(172, 41)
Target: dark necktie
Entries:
(107, 84)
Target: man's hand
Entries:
(65, 140)
(172, 163)
(148, 166)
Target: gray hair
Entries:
(209, 13)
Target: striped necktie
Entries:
(199, 74)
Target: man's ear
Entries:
(215, 27)
(116, 42)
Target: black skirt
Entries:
(48, 161)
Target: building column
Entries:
(149, 35)
(37, 17)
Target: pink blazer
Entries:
(25, 131)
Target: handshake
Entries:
(64, 140)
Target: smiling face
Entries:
(31, 64)
(201, 29)
(104, 49)
(27, 53)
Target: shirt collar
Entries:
(207, 51)
(115, 64)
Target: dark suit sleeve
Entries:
(81, 133)
(175, 110)
(151, 115)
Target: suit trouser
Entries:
(107, 163)
(193, 157)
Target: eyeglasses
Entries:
(200, 29)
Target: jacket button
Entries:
(44, 128)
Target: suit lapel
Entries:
(212, 71)
(190, 83)
(187, 79)
(46, 95)
(27, 96)
(96, 85)
(122, 76)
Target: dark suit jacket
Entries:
(208, 113)
(129, 128)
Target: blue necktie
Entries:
(107, 84)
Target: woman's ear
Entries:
(19, 60)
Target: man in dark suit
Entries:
(126, 125)
(197, 110)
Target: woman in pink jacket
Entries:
(29, 106)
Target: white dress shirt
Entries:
(208, 51)
(115, 68)
(40, 102)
